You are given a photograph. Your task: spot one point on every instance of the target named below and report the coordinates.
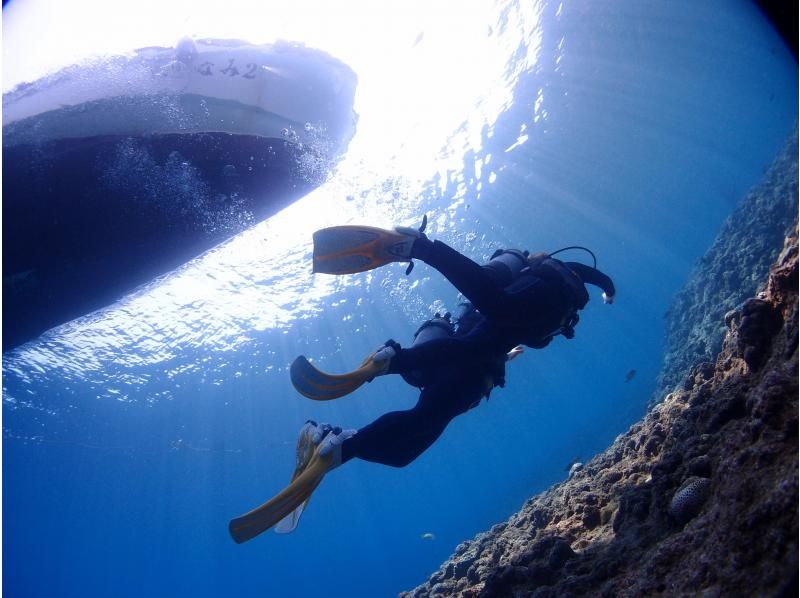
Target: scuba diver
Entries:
(516, 299)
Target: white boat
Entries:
(282, 91)
(121, 169)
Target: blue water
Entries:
(132, 436)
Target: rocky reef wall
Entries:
(701, 496)
(730, 271)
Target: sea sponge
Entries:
(690, 498)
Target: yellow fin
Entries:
(349, 249)
(282, 505)
(320, 386)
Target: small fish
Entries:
(630, 375)
(428, 536)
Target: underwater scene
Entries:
(159, 198)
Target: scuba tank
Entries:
(437, 327)
(510, 262)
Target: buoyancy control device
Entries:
(510, 264)
(513, 263)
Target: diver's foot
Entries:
(418, 245)
(329, 438)
(332, 446)
(306, 443)
(384, 354)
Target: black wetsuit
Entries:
(527, 310)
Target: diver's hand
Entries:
(608, 299)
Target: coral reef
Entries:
(698, 498)
(730, 271)
(703, 491)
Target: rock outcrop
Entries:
(730, 271)
(698, 498)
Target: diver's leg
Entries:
(395, 439)
(399, 437)
(441, 351)
(481, 285)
